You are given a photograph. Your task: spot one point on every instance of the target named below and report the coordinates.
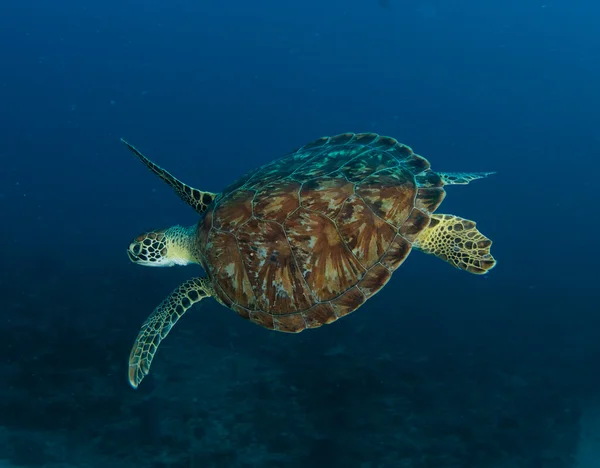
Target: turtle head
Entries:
(166, 247)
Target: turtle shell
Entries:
(308, 238)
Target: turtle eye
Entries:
(135, 248)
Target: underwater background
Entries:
(441, 369)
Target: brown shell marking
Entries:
(275, 202)
(227, 267)
(348, 302)
(375, 279)
(428, 199)
(431, 191)
(397, 253)
(273, 274)
(292, 323)
(318, 315)
(414, 224)
(326, 194)
(329, 267)
(390, 194)
(234, 210)
(367, 235)
(264, 319)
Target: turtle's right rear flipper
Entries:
(458, 242)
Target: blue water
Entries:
(441, 369)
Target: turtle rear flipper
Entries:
(160, 322)
(462, 178)
(197, 199)
(457, 241)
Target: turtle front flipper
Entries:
(197, 199)
(160, 322)
(457, 241)
(462, 178)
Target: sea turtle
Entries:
(306, 239)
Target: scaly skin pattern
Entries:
(462, 178)
(457, 241)
(197, 199)
(160, 322)
(176, 245)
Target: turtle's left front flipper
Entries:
(462, 178)
(457, 241)
(160, 322)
